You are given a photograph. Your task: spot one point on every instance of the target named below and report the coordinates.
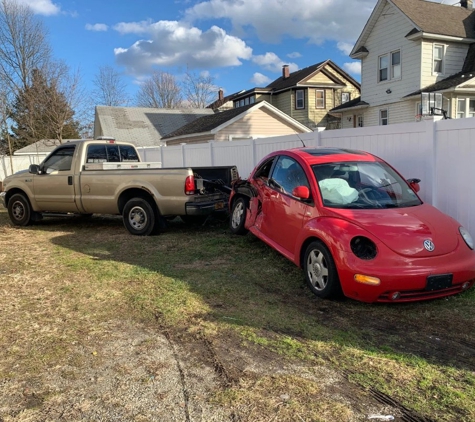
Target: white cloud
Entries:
(272, 62)
(172, 43)
(353, 68)
(315, 21)
(42, 7)
(294, 55)
(260, 80)
(97, 27)
(345, 47)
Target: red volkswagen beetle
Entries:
(354, 225)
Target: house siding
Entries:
(455, 54)
(389, 35)
(258, 123)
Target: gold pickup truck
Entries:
(107, 177)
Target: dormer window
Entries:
(438, 59)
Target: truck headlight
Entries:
(466, 236)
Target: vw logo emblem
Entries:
(429, 245)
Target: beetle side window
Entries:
(264, 170)
(60, 160)
(288, 174)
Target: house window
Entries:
(299, 99)
(465, 107)
(320, 98)
(252, 100)
(389, 66)
(396, 65)
(246, 101)
(438, 59)
(383, 117)
(345, 97)
(383, 68)
(359, 121)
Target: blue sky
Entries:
(241, 43)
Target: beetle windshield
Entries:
(366, 185)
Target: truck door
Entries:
(54, 187)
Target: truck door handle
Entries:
(70, 180)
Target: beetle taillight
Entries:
(190, 185)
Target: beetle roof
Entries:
(321, 155)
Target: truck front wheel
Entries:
(139, 217)
(19, 210)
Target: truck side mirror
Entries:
(34, 168)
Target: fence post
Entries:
(183, 157)
(211, 152)
(431, 135)
(253, 152)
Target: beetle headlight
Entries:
(466, 236)
(363, 248)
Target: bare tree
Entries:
(160, 90)
(23, 45)
(199, 89)
(111, 90)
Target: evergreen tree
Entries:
(41, 111)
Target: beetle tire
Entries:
(238, 216)
(19, 210)
(139, 217)
(320, 271)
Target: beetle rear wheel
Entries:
(238, 216)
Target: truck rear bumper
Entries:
(205, 208)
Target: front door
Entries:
(54, 187)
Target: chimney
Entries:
(220, 94)
(468, 4)
(285, 71)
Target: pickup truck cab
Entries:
(107, 177)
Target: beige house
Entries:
(306, 95)
(257, 120)
(417, 58)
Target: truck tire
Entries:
(19, 210)
(238, 216)
(139, 217)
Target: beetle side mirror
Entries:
(414, 184)
(301, 192)
(34, 169)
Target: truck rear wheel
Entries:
(19, 210)
(139, 217)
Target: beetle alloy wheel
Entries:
(138, 218)
(237, 215)
(317, 269)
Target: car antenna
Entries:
(300, 139)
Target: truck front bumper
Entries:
(3, 199)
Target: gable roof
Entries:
(427, 17)
(45, 146)
(144, 126)
(300, 77)
(217, 121)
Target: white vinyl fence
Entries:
(440, 153)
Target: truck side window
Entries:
(128, 153)
(60, 160)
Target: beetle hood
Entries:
(420, 231)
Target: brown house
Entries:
(306, 95)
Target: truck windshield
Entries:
(366, 185)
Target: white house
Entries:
(417, 58)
